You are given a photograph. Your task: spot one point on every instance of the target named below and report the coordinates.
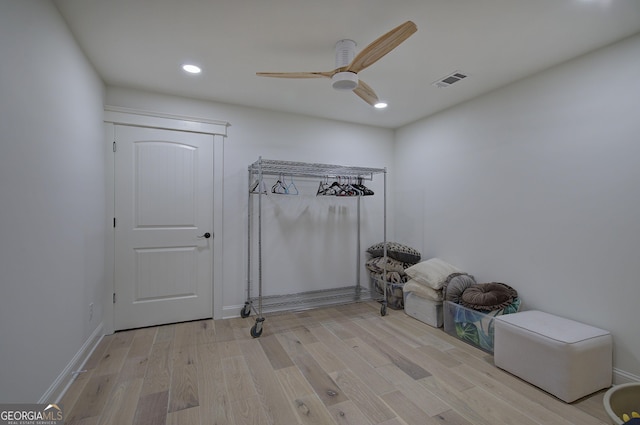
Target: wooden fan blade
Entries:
(366, 93)
(380, 47)
(327, 74)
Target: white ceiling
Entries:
(142, 43)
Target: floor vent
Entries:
(449, 79)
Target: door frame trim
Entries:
(140, 118)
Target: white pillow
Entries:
(432, 272)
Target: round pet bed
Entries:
(455, 285)
(488, 296)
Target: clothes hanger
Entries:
(291, 188)
(328, 189)
(279, 187)
(322, 187)
(334, 188)
(343, 187)
(258, 186)
(347, 189)
(365, 190)
(357, 189)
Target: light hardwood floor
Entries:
(340, 365)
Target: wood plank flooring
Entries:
(343, 365)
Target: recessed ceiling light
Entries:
(191, 69)
(380, 105)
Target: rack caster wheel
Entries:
(256, 330)
(246, 310)
(383, 310)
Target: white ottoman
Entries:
(563, 357)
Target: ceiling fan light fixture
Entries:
(344, 80)
(380, 105)
(191, 69)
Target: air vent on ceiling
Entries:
(449, 79)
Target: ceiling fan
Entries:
(348, 64)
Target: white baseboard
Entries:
(622, 377)
(231, 311)
(65, 379)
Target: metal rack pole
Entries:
(383, 309)
(358, 253)
(248, 304)
(257, 329)
(249, 220)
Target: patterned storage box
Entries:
(474, 327)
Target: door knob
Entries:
(205, 236)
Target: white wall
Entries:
(52, 198)
(309, 243)
(534, 185)
(537, 185)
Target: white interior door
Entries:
(163, 226)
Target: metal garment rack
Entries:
(257, 188)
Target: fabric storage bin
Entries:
(423, 309)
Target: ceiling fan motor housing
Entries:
(345, 52)
(344, 81)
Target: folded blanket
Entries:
(391, 277)
(423, 291)
(432, 272)
(377, 265)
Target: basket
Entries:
(395, 295)
(621, 399)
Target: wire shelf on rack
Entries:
(304, 169)
(314, 299)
